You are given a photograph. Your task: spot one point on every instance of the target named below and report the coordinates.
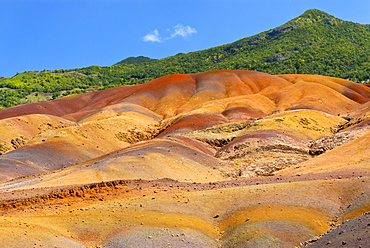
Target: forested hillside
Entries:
(313, 43)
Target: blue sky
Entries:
(66, 34)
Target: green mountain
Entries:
(135, 60)
(313, 43)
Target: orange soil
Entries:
(74, 170)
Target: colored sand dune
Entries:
(221, 158)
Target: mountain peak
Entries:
(314, 12)
(316, 15)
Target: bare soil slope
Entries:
(221, 158)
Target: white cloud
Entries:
(153, 37)
(178, 30)
(183, 31)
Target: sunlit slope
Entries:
(94, 124)
(181, 93)
(234, 159)
(17, 131)
(148, 160)
(351, 156)
(240, 149)
(283, 214)
(54, 145)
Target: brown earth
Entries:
(214, 159)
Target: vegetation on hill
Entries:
(313, 43)
(135, 60)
